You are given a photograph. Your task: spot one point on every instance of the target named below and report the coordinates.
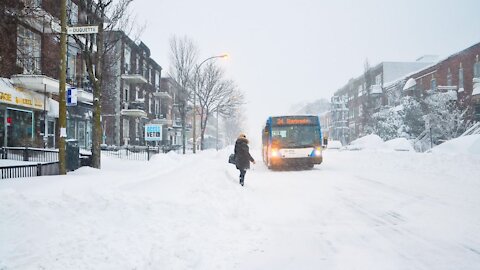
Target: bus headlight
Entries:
(318, 152)
(274, 152)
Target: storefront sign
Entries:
(22, 98)
(153, 132)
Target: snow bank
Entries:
(334, 145)
(469, 145)
(371, 141)
(399, 144)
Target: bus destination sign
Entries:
(285, 121)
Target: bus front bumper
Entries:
(279, 161)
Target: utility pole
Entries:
(63, 82)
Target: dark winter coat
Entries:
(242, 154)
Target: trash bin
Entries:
(73, 155)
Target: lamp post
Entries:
(197, 70)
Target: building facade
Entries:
(29, 64)
(132, 95)
(354, 104)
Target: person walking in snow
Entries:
(242, 156)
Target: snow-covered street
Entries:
(357, 210)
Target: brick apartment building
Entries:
(29, 68)
(458, 74)
(360, 97)
(135, 95)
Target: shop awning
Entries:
(11, 95)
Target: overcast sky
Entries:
(284, 52)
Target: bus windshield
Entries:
(295, 136)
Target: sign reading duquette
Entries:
(153, 132)
(82, 30)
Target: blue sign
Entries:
(153, 132)
(71, 96)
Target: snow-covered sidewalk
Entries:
(358, 210)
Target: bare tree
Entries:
(215, 94)
(233, 125)
(183, 55)
(109, 15)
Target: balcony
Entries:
(38, 83)
(134, 76)
(376, 89)
(134, 109)
(30, 65)
(162, 94)
(138, 105)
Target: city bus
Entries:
(292, 141)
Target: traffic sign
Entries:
(72, 96)
(82, 30)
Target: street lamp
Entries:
(197, 70)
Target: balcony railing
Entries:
(30, 65)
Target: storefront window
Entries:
(20, 129)
(2, 127)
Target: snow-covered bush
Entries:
(445, 119)
(387, 123)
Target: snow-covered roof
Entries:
(409, 84)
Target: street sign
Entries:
(153, 132)
(82, 30)
(72, 96)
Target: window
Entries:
(157, 107)
(157, 79)
(71, 65)
(460, 76)
(126, 128)
(72, 9)
(150, 104)
(151, 75)
(378, 79)
(137, 129)
(137, 66)
(476, 68)
(449, 77)
(127, 55)
(28, 50)
(137, 90)
(433, 83)
(126, 93)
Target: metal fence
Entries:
(29, 154)
(131, 152)
(31, 170)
